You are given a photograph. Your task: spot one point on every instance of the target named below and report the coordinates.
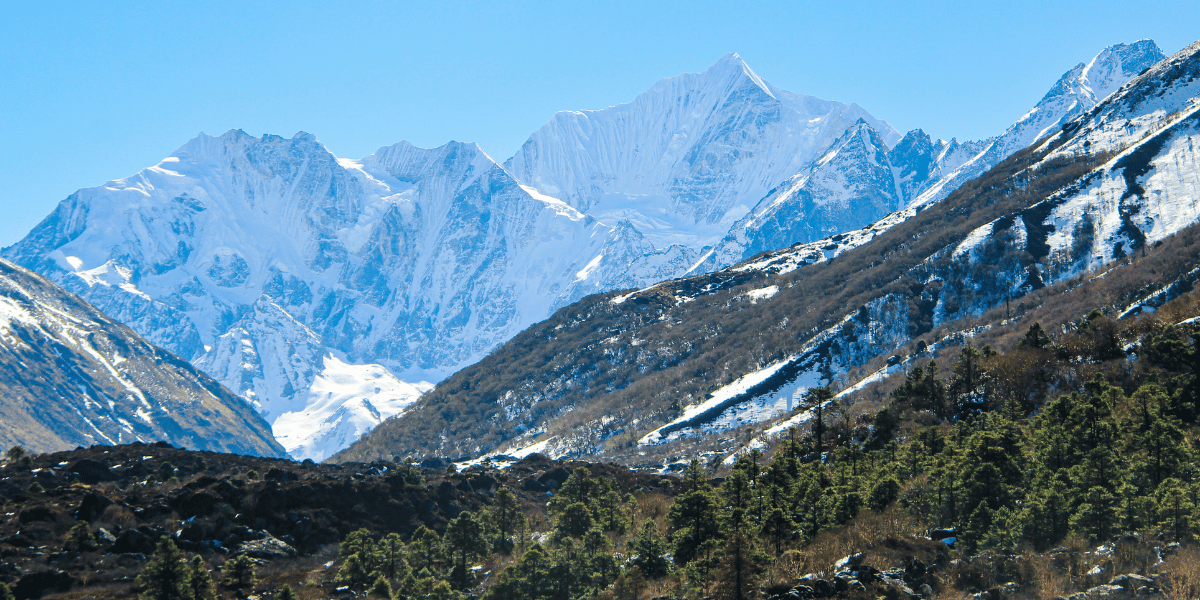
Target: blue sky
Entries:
(91, 91)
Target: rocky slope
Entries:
(736, 346)
(75, 377)
(288, 516)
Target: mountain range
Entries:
(330, 292)
(623, 375)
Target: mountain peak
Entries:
(732, 67)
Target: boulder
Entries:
(1107, 591)
(37, 513)
(92, 472)
(849, 562)
(1131, 581)
(91, 507)
(899, 588)
(277, 474)
(132, 541)
(35, 585)
(199, 504)
(268, 547)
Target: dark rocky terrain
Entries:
(289, 516)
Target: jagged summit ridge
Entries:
(1076, 92)
(688, 157)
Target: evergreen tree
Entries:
(574, 521)
(354, 572)
(201, 581)
(883, 493)
(778, 528)
(286, 593)
(239, 572)
(381, 588)
(818, 400)
(392, 563)
(693, 518)
(527, 580)
(5, 592)
(442, 591)
(922, 389)
(465, 541)
(650, 551)
(1036, 337)
(739, 566)
(505, 519)
(966, 382)
(424, 550)
(167, 576)
(1176, 509)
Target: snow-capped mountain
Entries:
(1076, 92)
(690, 156)
(851, 185)
(262, 259)
(74, 377)
(921, 170)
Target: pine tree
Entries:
(424, 550)
(442, 591)
(740, 564)
(693, 517)
(5, 592)
(354, 572)
(286, 593)
(818, 400)
(967, 378)
(574, 521)
(1036, 337)
(167, 576)
(883, 493)
(202, 583)
(381, 588)
(650, 549)
(464, 539)
(239, 572)
(392, 563)
(505, 519)
(778, 527)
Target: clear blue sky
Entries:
(94, 91)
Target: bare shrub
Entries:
(1181, 575)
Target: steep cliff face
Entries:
(74, 377)
(690, 156)
(853, 184)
